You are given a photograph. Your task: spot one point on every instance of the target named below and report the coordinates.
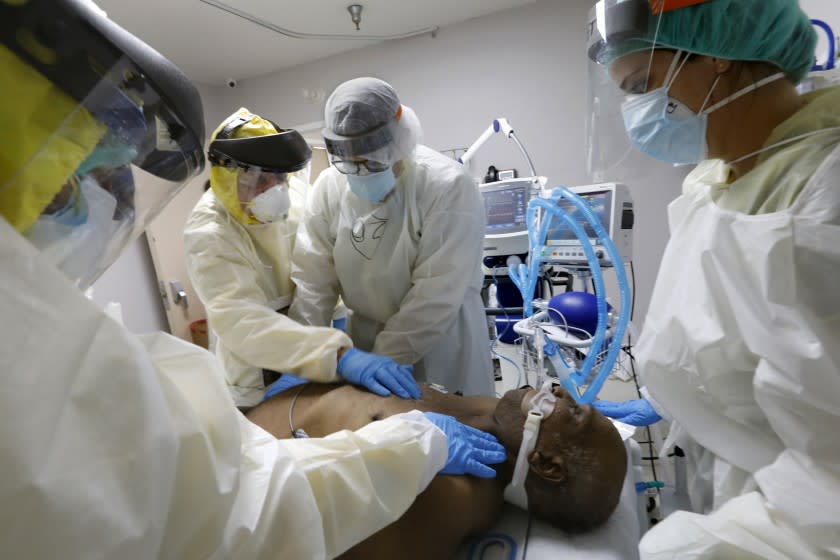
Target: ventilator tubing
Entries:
(525, 278)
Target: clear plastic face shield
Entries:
(97, 155)
(264, 194)
(377, 150)
(362, 155)
(253, 172)
(620, 46)
(304, 174)
(254, 181)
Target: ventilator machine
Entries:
(505, 204)
(532, 232)
(576, 228)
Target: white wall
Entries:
(829, 12)
(216, 105)
(526, 64)
(826, 10)
(131, 282)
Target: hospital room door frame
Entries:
(165, 236)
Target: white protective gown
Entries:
(741, 346)
(117, 446)
(408, 267)
(242, 275)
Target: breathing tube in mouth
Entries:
(542, 405)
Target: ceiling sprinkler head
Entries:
(355, 14)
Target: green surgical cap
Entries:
(774, 31)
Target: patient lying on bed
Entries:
(576, 470)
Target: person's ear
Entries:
(549, 467)
(720, 65)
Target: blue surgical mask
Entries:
(666, 129)
(373, 187)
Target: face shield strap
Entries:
(542, 405)
(709, 97)
(653, 52)
(673, 70)
(231, 126)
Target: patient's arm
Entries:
(450, 509)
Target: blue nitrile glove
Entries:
(470, 450)
(636, 412)
(286, 382)
(378, 374)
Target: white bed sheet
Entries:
(519, 536)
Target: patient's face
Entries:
(577, 468)
(570, 424)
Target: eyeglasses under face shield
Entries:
(360, 167)
(366, 153)
(107, 133)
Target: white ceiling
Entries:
(212, 45)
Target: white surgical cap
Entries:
(364, 118)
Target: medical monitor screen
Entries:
(505, 209)
(601, 204)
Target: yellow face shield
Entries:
(242, 166)
(225, 180)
